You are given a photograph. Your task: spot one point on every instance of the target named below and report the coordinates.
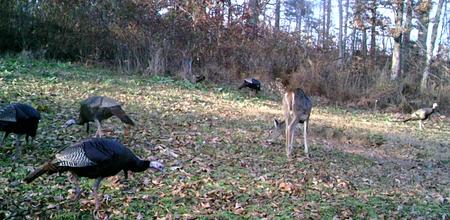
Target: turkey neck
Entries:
(429, 111)
(140, 165)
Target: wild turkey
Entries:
(251, 83)
(97, 109)
(198, 78)
(94, 158)
(20, 119)
(421, 115)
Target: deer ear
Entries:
(275, 122)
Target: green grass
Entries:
(369, 168)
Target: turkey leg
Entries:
(94, 190)
(74, 179)
(99, 132)
(18, 147)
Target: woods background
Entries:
(363, 56)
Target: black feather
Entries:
(20, 119)
(96, 157)
(93, 158)
(251, 83)
(118, 111)
(101, 108)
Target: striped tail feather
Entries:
(118, 111)
(32, 176)
(407, 119)
(48, 167)
(401, 120)
(35, 174)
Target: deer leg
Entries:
(305, 128)
(420, 124)
(291, 130)
(94, 191)
(288, 152)
(99, 132)
(287, 131)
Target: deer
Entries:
(297, 109)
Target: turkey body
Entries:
(94, 158)
(421, 115)
(251, 83)
(98, 158)
(97, 109)
(19, 119)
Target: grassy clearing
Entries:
(362, 165)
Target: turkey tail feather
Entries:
(35, 174)
(408, 119)
(117, 111)
(46, 168)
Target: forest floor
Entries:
(219, 165)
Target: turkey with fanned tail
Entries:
(94, 158)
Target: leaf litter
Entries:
(220, 164)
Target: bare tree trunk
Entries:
(423, 9)
(364, 43)
(277, 14)
(230, 12)
(353, 45)
(347, 5)
(254, 14)
(358, 22)
(328, 21)
(397, 35)
(298, 24)
(373, 33)
(340, 42)
(324, 23)
(406, 35)
(434, 24)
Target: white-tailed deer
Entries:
(297, 108)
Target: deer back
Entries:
(298, 104)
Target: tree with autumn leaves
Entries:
(340, 45)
